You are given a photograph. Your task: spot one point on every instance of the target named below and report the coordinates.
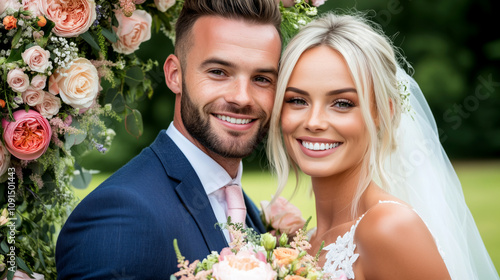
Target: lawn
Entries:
(480, 182)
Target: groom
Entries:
(224, 74)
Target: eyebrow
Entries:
(226, 63)
(332, 92)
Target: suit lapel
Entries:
(189, 190)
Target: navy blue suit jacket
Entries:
(125, 228)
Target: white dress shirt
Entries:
(212, 176)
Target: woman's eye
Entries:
(343, 104)
(296, 101)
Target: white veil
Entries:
(422, 175)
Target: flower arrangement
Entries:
(254, 256)
(68, 68)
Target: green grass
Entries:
(480, 183)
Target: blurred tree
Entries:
(454, 47)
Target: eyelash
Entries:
(300, 101)
(343, 101)
(296, 101)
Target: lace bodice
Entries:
(340, 256)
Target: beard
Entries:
(198, 126)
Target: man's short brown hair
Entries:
(255, 11)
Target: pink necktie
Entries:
(235, 204)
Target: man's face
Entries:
(228, 84)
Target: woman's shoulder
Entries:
(392, 234)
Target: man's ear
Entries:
(173, 74)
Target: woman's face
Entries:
(321, 119)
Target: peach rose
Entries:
(9, 22)
(294, 277)
(39, 82)
(9, 4)
(284, 256)
(4, 159)
(132, 31)
(49, 106)
(28, 136)
(33, 6)
(19, 275)
(18, 80)
(164, 5)
(283, 216)
(71, 17)
(78, 85)
(242, 266)
(32, 96)
(36, 58)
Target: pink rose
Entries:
(317, 3)
(19, 275)
(28, 136)
(72, 17)
(164, 5)
(18, 80)
(33, 7)
(283, 216)
(36, 58)
(132, 31)
(32, 96)
(242, 266)
(138, 2)
(225, 252)
(6, 4)
(77, 85)
(49, 106)
(4, 159)
(39, 82)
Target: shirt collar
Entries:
(210, 173)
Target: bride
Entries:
(388, 202)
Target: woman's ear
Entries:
(391, 106)
(173, 74)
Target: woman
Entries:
(388, 203)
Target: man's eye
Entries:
(217, 72)
(261, 79)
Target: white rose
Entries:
(12, 4)
(39, 82)
(18, 80)
(49, 106)
(19, 275)
(36, 58)
(33, 7)
(164, 5)
(78, 85)
(32, 96)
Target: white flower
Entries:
(164, 5)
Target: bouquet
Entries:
(254, 256)
(68, 70)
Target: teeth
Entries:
(319, 146)
(233, 120)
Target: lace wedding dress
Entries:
(340, 256)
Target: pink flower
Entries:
(283, 216)
(6, 4)
(4, 159)
(33, 7)
(49, 106)
(72, 17)
(138, 2)
(36, 58)
(39, 82)
(132, 31)
(164, 5)
(28, 136)
(225, 252)
(19, 275)
(18, 80)
(242, 266)
(77, 85)
(288, 3)
(317, 3)
(32, 96)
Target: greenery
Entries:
(479, 181)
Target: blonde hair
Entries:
(371, 59)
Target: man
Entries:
(224, 75)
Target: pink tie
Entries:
(235, 204)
